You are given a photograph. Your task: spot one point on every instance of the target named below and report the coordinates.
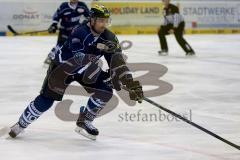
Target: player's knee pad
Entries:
(42, 103)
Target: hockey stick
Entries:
(190, 122)
(15, 33)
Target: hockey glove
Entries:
(53, 28)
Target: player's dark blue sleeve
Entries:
(119, 70)
(117, 55)
(86, 10)
(58, 14)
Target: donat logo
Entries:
(30, 10)
(28, 14)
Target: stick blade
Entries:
(12, 30)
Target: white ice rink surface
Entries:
(208, 85)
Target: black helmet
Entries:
(99, 11)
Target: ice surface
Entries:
(208, 85)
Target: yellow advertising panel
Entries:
(135, 13)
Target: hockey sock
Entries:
(34, 110)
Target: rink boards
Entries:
(139, 17)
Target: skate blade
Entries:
(191, 56)
(4, 131)
(84, 133)
(163, 55)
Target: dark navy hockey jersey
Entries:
(77, 57)
(70, 15)
(82, 41)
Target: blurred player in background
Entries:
(173, 24)
(69, 13)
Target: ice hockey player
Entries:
(173, 23)
(69, 15)
(76, 61)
